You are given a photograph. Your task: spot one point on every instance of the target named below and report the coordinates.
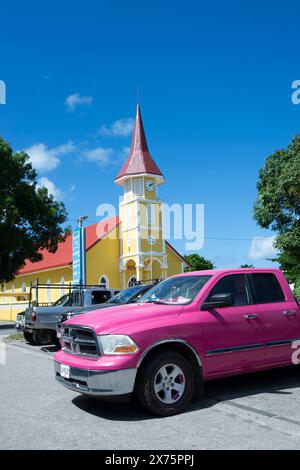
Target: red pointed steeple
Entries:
(139, 160)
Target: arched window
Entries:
(62, 286)
(48, 292)
(103, 281)
(132, 281)
(24, 288)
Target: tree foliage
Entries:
(198, 263)
(30, 218)
(278, 205)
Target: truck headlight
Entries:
(117, 344)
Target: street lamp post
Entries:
(80, 222)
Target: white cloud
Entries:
(45, 159)
(262, 248)
(99, 155)
(120, 128)
(52, 189)
(72, 101)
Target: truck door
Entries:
(232, 336)
(279, 313)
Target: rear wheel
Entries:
(41, 337)
(166, 384)
(28, 337)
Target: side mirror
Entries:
(217, 301)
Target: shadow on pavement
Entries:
(50, 349)
(276, 381)
(112, 411)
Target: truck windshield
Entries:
(123, 296)
(176, 290)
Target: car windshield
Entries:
(64, 300)
(123, 296)
(176, 290)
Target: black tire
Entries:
(150, 374)
(28, 337)
(41, 337)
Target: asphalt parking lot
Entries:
(258, 411)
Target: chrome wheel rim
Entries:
(169, 384)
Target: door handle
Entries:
(250, 316)
(289, 312)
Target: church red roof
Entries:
(63, 255)
(139, 160)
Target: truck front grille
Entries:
(80, 341)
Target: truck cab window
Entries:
(267, 288)
(99, 297)
(236, 285)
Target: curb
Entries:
(7, 326)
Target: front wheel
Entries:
(166, 384)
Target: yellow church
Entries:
(120, 251)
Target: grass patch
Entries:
(15, 337)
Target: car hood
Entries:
(125, 318)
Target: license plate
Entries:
(65, 371)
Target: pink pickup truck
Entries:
(188, 329)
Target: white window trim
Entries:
(131, 277)
(106, 280)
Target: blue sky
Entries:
(215, 92)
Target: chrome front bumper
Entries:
(100, 383)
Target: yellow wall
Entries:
(174, 262)
(103, 259)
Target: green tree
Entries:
(197, 263)
(277, 206)
(30, 218)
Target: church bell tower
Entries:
(142, 248)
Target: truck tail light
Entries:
(33, 316)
